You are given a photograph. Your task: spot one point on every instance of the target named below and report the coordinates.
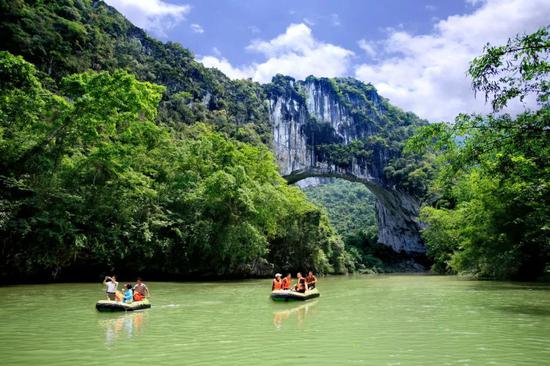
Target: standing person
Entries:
(311, 280)
(287, 281)
(277, 284)
(112, 284)
(301, 285)
(141, 291)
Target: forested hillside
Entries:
(71, 36)
(102, 170)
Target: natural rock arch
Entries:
(309, 117)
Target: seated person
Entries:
(141, 291)
(128, 294)
(311, 280)
(287, 282)
(301, 285)
(277, 284)
(119, 296)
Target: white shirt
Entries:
(111, 286)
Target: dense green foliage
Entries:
(89, 179)
(62, 37)
(350, 206)
(491, 206)
(351, 209)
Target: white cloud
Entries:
(156, 16)
(427, 73)
(368, 47)
(224, 66)
(216, 51)
(296, 53)
(197, 28)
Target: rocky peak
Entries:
(339, 128)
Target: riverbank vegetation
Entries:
(489, 211)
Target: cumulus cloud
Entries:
(368, 47)
(197, 28)
(295, 52)
(427, 73)
(224, 66)
(155, 16)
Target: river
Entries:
(358, 320)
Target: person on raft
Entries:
(112, 284)
(286, 282)
(311, 280)
(128, 294)
(277, 284)
(301, 285)
(141, 291)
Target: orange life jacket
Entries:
(277, 285)
(118, 296)
(138, 296)
(286, 283)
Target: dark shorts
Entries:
(110, 295)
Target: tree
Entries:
(491, 207)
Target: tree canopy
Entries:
(89, 179)
(490, 203)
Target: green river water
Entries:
(358, 320)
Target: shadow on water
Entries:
(297, 313)
(526, 310)
(515, 286)
(122, 326)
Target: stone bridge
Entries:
(316, 116)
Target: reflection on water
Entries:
(298, 313)
(123, 326)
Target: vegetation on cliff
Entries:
(63, 37)
(379, 130)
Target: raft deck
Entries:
(110, 305)
(289, 295)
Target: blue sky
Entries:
(415, 52)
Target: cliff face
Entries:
(326, 128)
